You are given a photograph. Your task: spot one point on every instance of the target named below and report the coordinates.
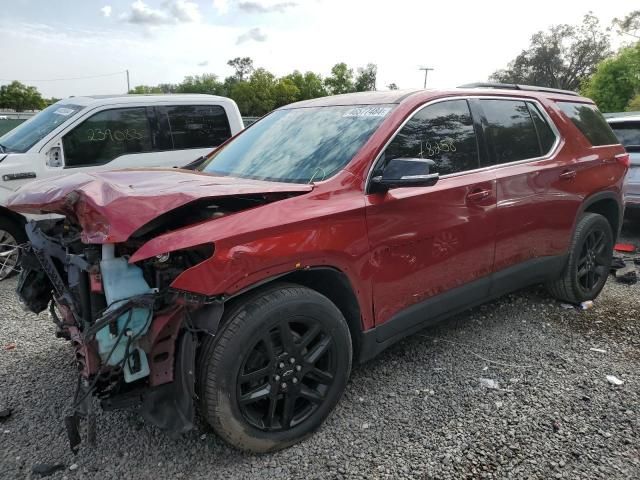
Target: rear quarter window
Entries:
(197, 126)
(590, 122)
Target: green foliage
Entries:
(634, 104)
(366, 78)
(616, 80)
(340, 80)
(206, 83)
(562, 57)
(285, 92)
(309, 85)
(257, 91)
(145, 89)
(18, 96)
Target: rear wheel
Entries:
(12, 236)
(277, 368)
(589, 261)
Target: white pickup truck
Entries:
(87, 134)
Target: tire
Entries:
(591, 249)
(262, 390)
(12, 234)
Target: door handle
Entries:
(568, 175)
(478, 195)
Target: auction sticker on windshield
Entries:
(64, 111)
(367, 112)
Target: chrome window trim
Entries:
(552, 151)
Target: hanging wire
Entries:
(66, 79)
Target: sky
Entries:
(50, 44)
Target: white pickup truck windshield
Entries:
(27, 134)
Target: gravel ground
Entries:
(420, 410)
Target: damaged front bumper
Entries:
(135, 338)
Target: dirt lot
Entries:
(423, 409)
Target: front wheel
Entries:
(276, 369)
(590, 256)
(12, 235)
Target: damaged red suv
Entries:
(322, 234)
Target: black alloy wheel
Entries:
(594, 262)
(589, 259)
(276, 369)
(286, 374)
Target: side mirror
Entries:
(54, 157)
(406, 172)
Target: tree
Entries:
(634, 104)
(392, 86)
(167, 87)
(18, 96)
(262, 84)
(309, 84)
(341, 79)
(257, 96)
(144, 89)
(285, 92)
(629, 25)
(366, 78)
(616, 80)
(205, 83)
(243, 67)
(560, 58)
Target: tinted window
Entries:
(299, 145)
(107, 135)
(628, 133)
(590, 122)
(442, 132)
(197, 126)
(546, 136)
(510, 130)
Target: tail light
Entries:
(624, 159)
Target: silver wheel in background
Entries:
(9, 254)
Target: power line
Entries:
(66, 79)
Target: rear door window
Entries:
(510, 130)
(590, 122)
(197, 126)
(107, 135)
(442, 132)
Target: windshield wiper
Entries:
(3, 149)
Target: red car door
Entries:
(532, 221)
(432, 247)
(541, 184)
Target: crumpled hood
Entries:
(110, 206)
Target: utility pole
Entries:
(129, 87)
(426, 71)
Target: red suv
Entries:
(325, 232)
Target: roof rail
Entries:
(514, 86)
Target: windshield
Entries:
(27, 134)
(299, 145)
(628, 133)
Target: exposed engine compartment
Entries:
(134, 337)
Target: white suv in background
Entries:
(626, 126)
(87, 134)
